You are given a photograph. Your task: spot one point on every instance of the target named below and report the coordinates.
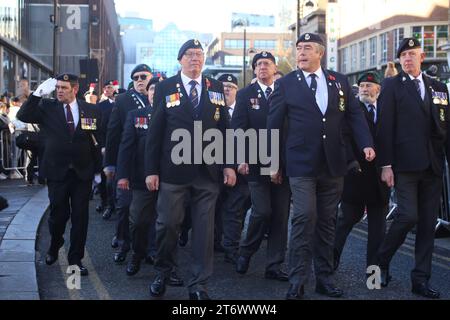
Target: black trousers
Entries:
(351, 215)
(418, 200)
(107, 193)
(69, 198)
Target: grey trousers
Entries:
(270, 211)
(418, 200)
(171, 209)
(142, 216)
(313, 227)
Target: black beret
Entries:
(310, 37)
(369, 77)
(153, 81)
(406, 44)
(190, 44)
(141, 68)
(67, 77)
(108, 83)
(226, 77)
(262, 55)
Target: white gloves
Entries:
(47, 87)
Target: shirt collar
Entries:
(73, 104)
(374, 104)
(186, 80)
(319, 73)
(419, 77)
(232, 106)
(264, 87)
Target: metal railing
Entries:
(12, 157)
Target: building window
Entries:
(344, 60)
(373, 51)
(236, 44)
(287, 44)
(9, 72)
(233, 60)
(441, 39)
(354, 58)
(383, 46)
(399, 34)
(265, 44)
(428, 41)
(363, 55)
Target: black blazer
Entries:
(365, 187)
(124, 103)
(130, 164)
(312, 138)
(412, 134)
(61, 150)
(105, 108)
(166, 119)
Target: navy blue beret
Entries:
(310, 37)
(262, 55)
(228, 78)
(141, 68)
(190, 44)
(407, 44)
(67, 77)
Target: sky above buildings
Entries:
(212, 16)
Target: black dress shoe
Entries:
(83, 270)
(51, 258)
(328, 290)
(107, 213)
(174, 280)
(385, 277)
(424, 290)
(120, 257)
(158, 287)
(276, 275)
(199, 295)
(115, 242)
(134, 265)
(150, 260)
(242, 264)
(295, 292)
(230, 258)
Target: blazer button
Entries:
(324, 136)
(324, 120)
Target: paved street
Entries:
(107, 280)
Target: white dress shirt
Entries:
(422, 84)
(322, 89)
(75, 112)
(264, 87)
(187, 85)
(231, 109)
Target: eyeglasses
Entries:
(191, 55)
(142, 77)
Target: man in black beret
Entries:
(135, 98)
(188, 100)
(363, 188)
(412, 136)
(270, 201)
(317, 104)
(70, 160)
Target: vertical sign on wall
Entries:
(332, 26)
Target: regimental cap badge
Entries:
(196, 42)
(264, 54)
(411, 43)
(230, 78)
(307, 36)
(66, 77)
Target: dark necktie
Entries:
(193, 94)
(419, 90)
(371, 112)
(268, 92)
(69, 118)
(313, 85)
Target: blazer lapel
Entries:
(62, 116)
(305, 88)
(332, 88)
(411, 87)
(261, 96)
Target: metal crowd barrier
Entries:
(12, 157)
(444, 212)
